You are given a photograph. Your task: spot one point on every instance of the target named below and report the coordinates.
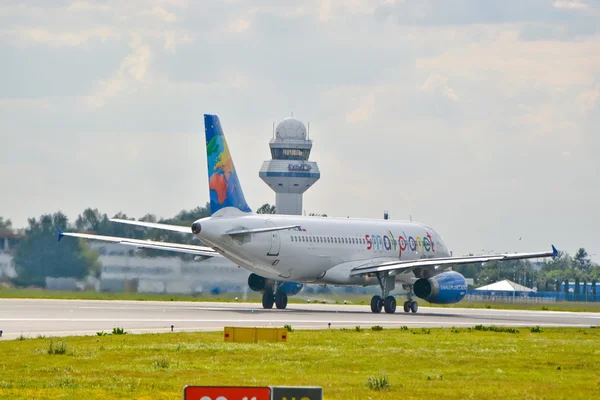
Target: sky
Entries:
(477, 118)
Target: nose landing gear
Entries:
(410, 305)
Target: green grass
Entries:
(93, 295)
(572, 306)
(302, 298)
(452, 363)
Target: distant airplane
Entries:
(284, 252)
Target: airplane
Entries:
(283, 252)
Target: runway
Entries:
(33, 317)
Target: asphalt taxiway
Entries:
(33, 317)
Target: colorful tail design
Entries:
(224, 186)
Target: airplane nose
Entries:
(196, 228)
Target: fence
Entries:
(510, 299)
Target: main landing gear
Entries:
(387, 302)
(280, 299)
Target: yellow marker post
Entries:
(254, 335)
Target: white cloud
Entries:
(162, 14)
(173, 38)
(364, 111)
(570, 4)
(238, 25)
(519, 65)
(85, 6)
(136, 63)
(590, 99)
(133, 69)
(28, 35)
(439, 84)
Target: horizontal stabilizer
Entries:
(262, 230)
(443, 262)
(164, 227)
(146, 244)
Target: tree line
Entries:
(546, 275)
(38, 255)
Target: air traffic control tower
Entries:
(289, 173)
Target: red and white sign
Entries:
(226, 393)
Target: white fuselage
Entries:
(323, 250)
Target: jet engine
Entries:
(259, 284)
(291, 288)
(445, 288)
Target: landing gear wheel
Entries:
(281, 300)
(407, 306)
(414, 307)
(267, 299)
(376, 304)
(390, 304)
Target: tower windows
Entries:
(290, 154)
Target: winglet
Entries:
(60, 233)
(554, 252)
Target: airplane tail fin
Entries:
(224, 185)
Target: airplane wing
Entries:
(185, 229)
(146, 244)
(165, 227)
(398, 267)
(261, 230)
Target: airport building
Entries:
(124, 269)
(289, 173)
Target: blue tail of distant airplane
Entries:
(224, 185)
